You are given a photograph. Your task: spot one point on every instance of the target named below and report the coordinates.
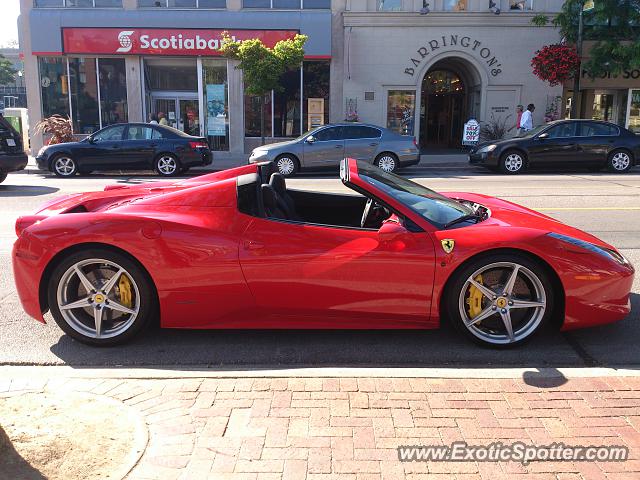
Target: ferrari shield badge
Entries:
(448, 245)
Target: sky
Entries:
(9, 11)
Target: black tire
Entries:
(512, 162)
(287, 165)
(64, 166)
(387, 161)
(144, 294)
(3, 177)
(455, 299)
(620, 161)
(167, 165)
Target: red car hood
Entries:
(508, 214)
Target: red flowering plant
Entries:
(556, 63)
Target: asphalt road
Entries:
(603, 204)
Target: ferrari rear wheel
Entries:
(100, 297)
(500, 300)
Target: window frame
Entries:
(125, 132)
(63, 4)
(166, 5)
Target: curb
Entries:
(9, 372)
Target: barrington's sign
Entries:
(159, 41)
(458, 42)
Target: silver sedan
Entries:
(327, 145)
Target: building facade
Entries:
(419, 68)
(108, 61)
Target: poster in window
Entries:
(315, 109)
(216, 115)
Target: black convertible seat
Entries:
(274, 206)
(279, 185)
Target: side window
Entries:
(156, 135)
(370, 132)
(137, 132)
(563, 130)
(360, 131)
(589, 129)
(110, 134)
(331, 133)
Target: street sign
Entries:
(471, 132)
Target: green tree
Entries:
(262, 66)
(7, 72)
(613, 26)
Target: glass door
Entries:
(633, 111)
(166, 111)
(188, 119)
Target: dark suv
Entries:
(12, 156)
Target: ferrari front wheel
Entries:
(500, 300)
(100, 297)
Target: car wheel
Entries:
(287, 165)
(100, 297)
(620, 161)
(512, 162)
(387, 162)
(167, 165)
(64, 166)
(500, 300)
(3, 177)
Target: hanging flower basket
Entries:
(556, 63)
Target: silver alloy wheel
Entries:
(513, 162)
(387, 163)
(167, 165)
(286, 165)
(501, 300)
(91, 303)
(620, 161)
(64, 166)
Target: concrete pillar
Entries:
(336, 77)
(129, 4)
(236, 108)
(134, 89)
(31, 75)
(234, 4)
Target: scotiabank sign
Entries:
(159, 41)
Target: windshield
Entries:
(533, 131)
(436, 208)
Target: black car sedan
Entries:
(12, 156)
(588, 144)
(127, 146)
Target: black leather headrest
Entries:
(278, 183)
(268, 196)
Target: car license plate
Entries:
(11, 142)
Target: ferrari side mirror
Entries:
(391, 231)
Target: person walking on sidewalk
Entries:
(519, 110)
(526, 120)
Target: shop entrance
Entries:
(179, 111)
(443, 109)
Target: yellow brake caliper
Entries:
(474, 302)
(124, 285)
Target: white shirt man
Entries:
(526, 121)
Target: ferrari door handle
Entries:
(251, 245)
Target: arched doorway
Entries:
(450, 95)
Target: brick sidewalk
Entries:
(349, 428)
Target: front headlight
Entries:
(605, 252)
(487, 149)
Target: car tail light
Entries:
(25, 222)
(196, 145)
(415, 144)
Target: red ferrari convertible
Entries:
(238, 249)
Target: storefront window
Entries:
(174, 75)
(286, 4)
(602, 107)
(315, 94)
(78, 3)
(521, 4)
(49, 3)
(286, 106)
(84, 95)
(216, 101)
(316, 4)
(252, 116)
(455, 5)
(53, 86)
(256, 3)
(182, 4)
(113, 90)
(212, 3)
(390, 5)
(401, 107)
(634, 111)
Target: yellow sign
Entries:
(448, 244)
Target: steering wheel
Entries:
(365, 213)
